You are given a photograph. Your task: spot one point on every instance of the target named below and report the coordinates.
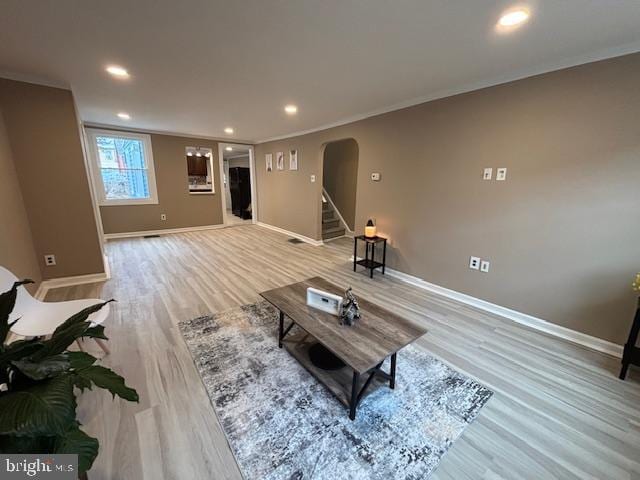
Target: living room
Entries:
(419, 267)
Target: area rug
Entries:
(282, 424)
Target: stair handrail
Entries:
(340, 217)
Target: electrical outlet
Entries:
(163, 216)
(484, 266)
(375, 177)
(474, 263)
(313, 179)
(501, 174)
(488, 174)
(50, 260)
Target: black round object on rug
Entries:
(322, 358)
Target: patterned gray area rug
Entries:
(282, 424)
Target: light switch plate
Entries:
(501, 174)
(484, 266)
(313, 179)
(375, 177)
(488, 174)
(474, 263)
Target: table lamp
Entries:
(370, 229)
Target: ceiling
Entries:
(198, 66)
(237, 152)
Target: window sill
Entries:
(122, 203)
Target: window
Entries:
(122, 168)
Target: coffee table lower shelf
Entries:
(348, 386)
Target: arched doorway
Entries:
(339, 186)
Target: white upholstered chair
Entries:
(37, 319)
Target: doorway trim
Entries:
(252, 179)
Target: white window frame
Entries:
(97, 177)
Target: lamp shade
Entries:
(370, 229)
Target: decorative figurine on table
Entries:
(350, 309)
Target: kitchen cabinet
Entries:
(197, 166)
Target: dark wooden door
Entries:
(240, 189)
(197, 166)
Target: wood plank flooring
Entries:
(559, 410)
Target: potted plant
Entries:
(39, 379)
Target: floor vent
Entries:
(151, 236)
(295, 240)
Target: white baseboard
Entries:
(329, 240)
(47, 285)
(166, 231)
(308, 240)
(536, 323)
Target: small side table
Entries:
(370, 246)
(631, 355)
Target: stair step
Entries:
(332, 232)
(330, 222)
(327, 214)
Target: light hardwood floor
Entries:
(559, 410)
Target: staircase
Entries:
(331, 225)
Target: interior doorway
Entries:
(237, 174)
(339, 188)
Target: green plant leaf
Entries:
(95, 332)
(80, 317)
(46, 368)
(7, 302)
(45, 408)
(72, 328)
(81, 360)
(19, 349)
(109, 380)
(24, 444)
(82, 383)
(76, 441)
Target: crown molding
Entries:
(122, 128)
(34, 79)
(521, 74)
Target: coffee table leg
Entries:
(355, 252)
(392, 382)
(354, 396)
(281, 333)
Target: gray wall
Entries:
(239, 162)
(43, 132)
(340, 177)
(182, 209)
(17, 252)
(561, 233)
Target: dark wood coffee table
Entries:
(363, 347)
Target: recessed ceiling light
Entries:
(229, 149)
(117, 71)
(124, 116)
(513, 17)
(291, 109)
(228, 131)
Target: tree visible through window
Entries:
(123, 168)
